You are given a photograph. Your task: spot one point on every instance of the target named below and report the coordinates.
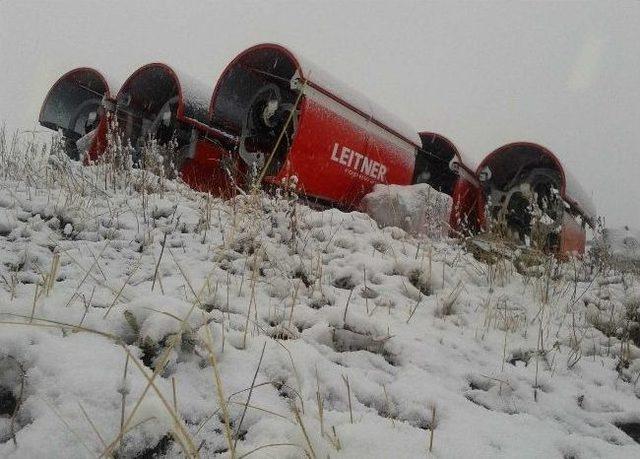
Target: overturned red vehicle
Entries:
(273, 116)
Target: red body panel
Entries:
(397, 157)
(467, 213)
(338, 161)
(99, 142)
(572, 236)
(206, 171)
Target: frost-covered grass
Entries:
(141, 318)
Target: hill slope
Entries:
(266, 328)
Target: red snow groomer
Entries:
(273, 116)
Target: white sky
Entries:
(566, 75)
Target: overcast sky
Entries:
(566, 75)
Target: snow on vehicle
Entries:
(529, 191)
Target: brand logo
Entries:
(359, 163)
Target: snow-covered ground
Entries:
(623, 245)
(268, 329)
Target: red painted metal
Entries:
(337, 161)
(467, 213)
(339, 149)
(99, 143)
(207, 172)
(573, 238)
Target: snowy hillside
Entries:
(623, 245)
(142, 319)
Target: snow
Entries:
(577, 194)
(196, 94)
(623, 244)
(355, 98)
(417, 209)
(384, 328)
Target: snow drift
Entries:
(417, 209)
